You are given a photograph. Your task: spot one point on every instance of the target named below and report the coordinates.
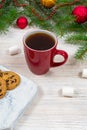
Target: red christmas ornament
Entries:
(80, 12)
(22, 22)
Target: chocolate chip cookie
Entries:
(12, 79)
(3, 88)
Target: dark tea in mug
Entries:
(40, 50)
(40, 41)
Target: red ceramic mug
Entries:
(40, 50)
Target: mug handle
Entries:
(62, 53)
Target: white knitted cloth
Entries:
(15, 102)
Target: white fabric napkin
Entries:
(15, 102)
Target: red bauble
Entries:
(22, 22)
(80, 12)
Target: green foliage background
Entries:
(62, 22)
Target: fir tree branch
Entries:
(54, 10)
(80, 39)
(81, 53)
(9, 15)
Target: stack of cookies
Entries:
(8, 81)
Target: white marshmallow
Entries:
(84, 73)
(68, 91)
(14, 50)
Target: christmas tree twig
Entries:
(18, 4)
(81, 52)
(54, 10)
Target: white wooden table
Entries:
(49, 111)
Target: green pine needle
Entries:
(79, 39)
(81, 53)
